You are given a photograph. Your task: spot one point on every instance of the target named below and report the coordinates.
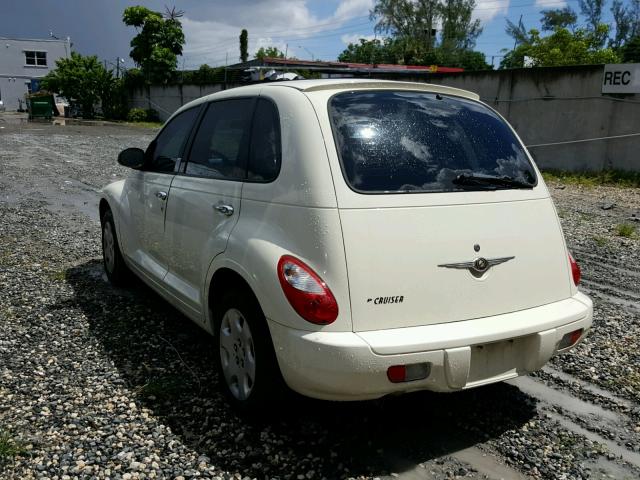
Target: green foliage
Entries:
(414, 22)
(137, 115)
(459, 30)
(395, 51)
(625, 230)
(600, 240)
(159, 41)
(413, 38)
(272, 52)
(631, 51)
(405, 19)
(9, 448)
(616, 178)
(558, 18)
(205, 75)
(244, 45)
(133, 78)
(371, 51)
(143, 115)
(562, 47)
(592, 11)
(83, 79)
(622, 19)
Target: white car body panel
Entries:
(363, 247)
(196, 232)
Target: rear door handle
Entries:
(161, 195)
(224, 209)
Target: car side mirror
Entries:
(132, 158)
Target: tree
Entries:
(244, 42)
(559, 18)
(411, 26)
(159, 41)
(518, 32)
(592, 11)
(272, 52)
(459, 31)
(631, 50)
(408, 19)
(370, 51)
(627, 21)
(83, 79)
(562, 48)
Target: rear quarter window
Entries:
(402, 141)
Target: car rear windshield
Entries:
(403, 141)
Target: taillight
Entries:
(306, 292)
(575, 270)
(570, 339)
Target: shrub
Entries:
(152, 115)
(137, 115)
(625, 230)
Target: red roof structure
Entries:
(347, 66)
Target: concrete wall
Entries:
(166, 99)
(556, 104)
(545, 105)
(16, 75)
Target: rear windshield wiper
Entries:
(478, 180)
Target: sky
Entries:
(306, 29)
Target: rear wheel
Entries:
(117, 271)
(247, 367)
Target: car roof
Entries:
(362, 83)
(330, 84)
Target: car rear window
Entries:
(402, 141)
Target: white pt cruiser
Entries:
(353, 238)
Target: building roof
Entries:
(273, 62)
(54, 40)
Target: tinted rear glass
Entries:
(402, 141)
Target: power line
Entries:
(302, 30)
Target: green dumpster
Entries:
(40, 106)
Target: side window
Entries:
(220, 147)
(165, 150)
(265, 149)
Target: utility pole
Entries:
(117, 67)
(286, 51)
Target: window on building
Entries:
(38, 59)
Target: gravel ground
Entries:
(97, 382)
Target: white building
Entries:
(23, 60)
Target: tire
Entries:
(247, 367)
(117, 271)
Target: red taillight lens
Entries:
(307, 293)
(397, 373)
(570, 339)
(575, 270)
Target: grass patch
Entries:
(59, 276)
(144, 124)
(625, 230)
(601, 241)
(614, 178)
(9, 447)
(162, 388)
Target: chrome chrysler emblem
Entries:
(479, 265)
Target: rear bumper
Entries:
(466, 354)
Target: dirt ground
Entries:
(103, 383)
